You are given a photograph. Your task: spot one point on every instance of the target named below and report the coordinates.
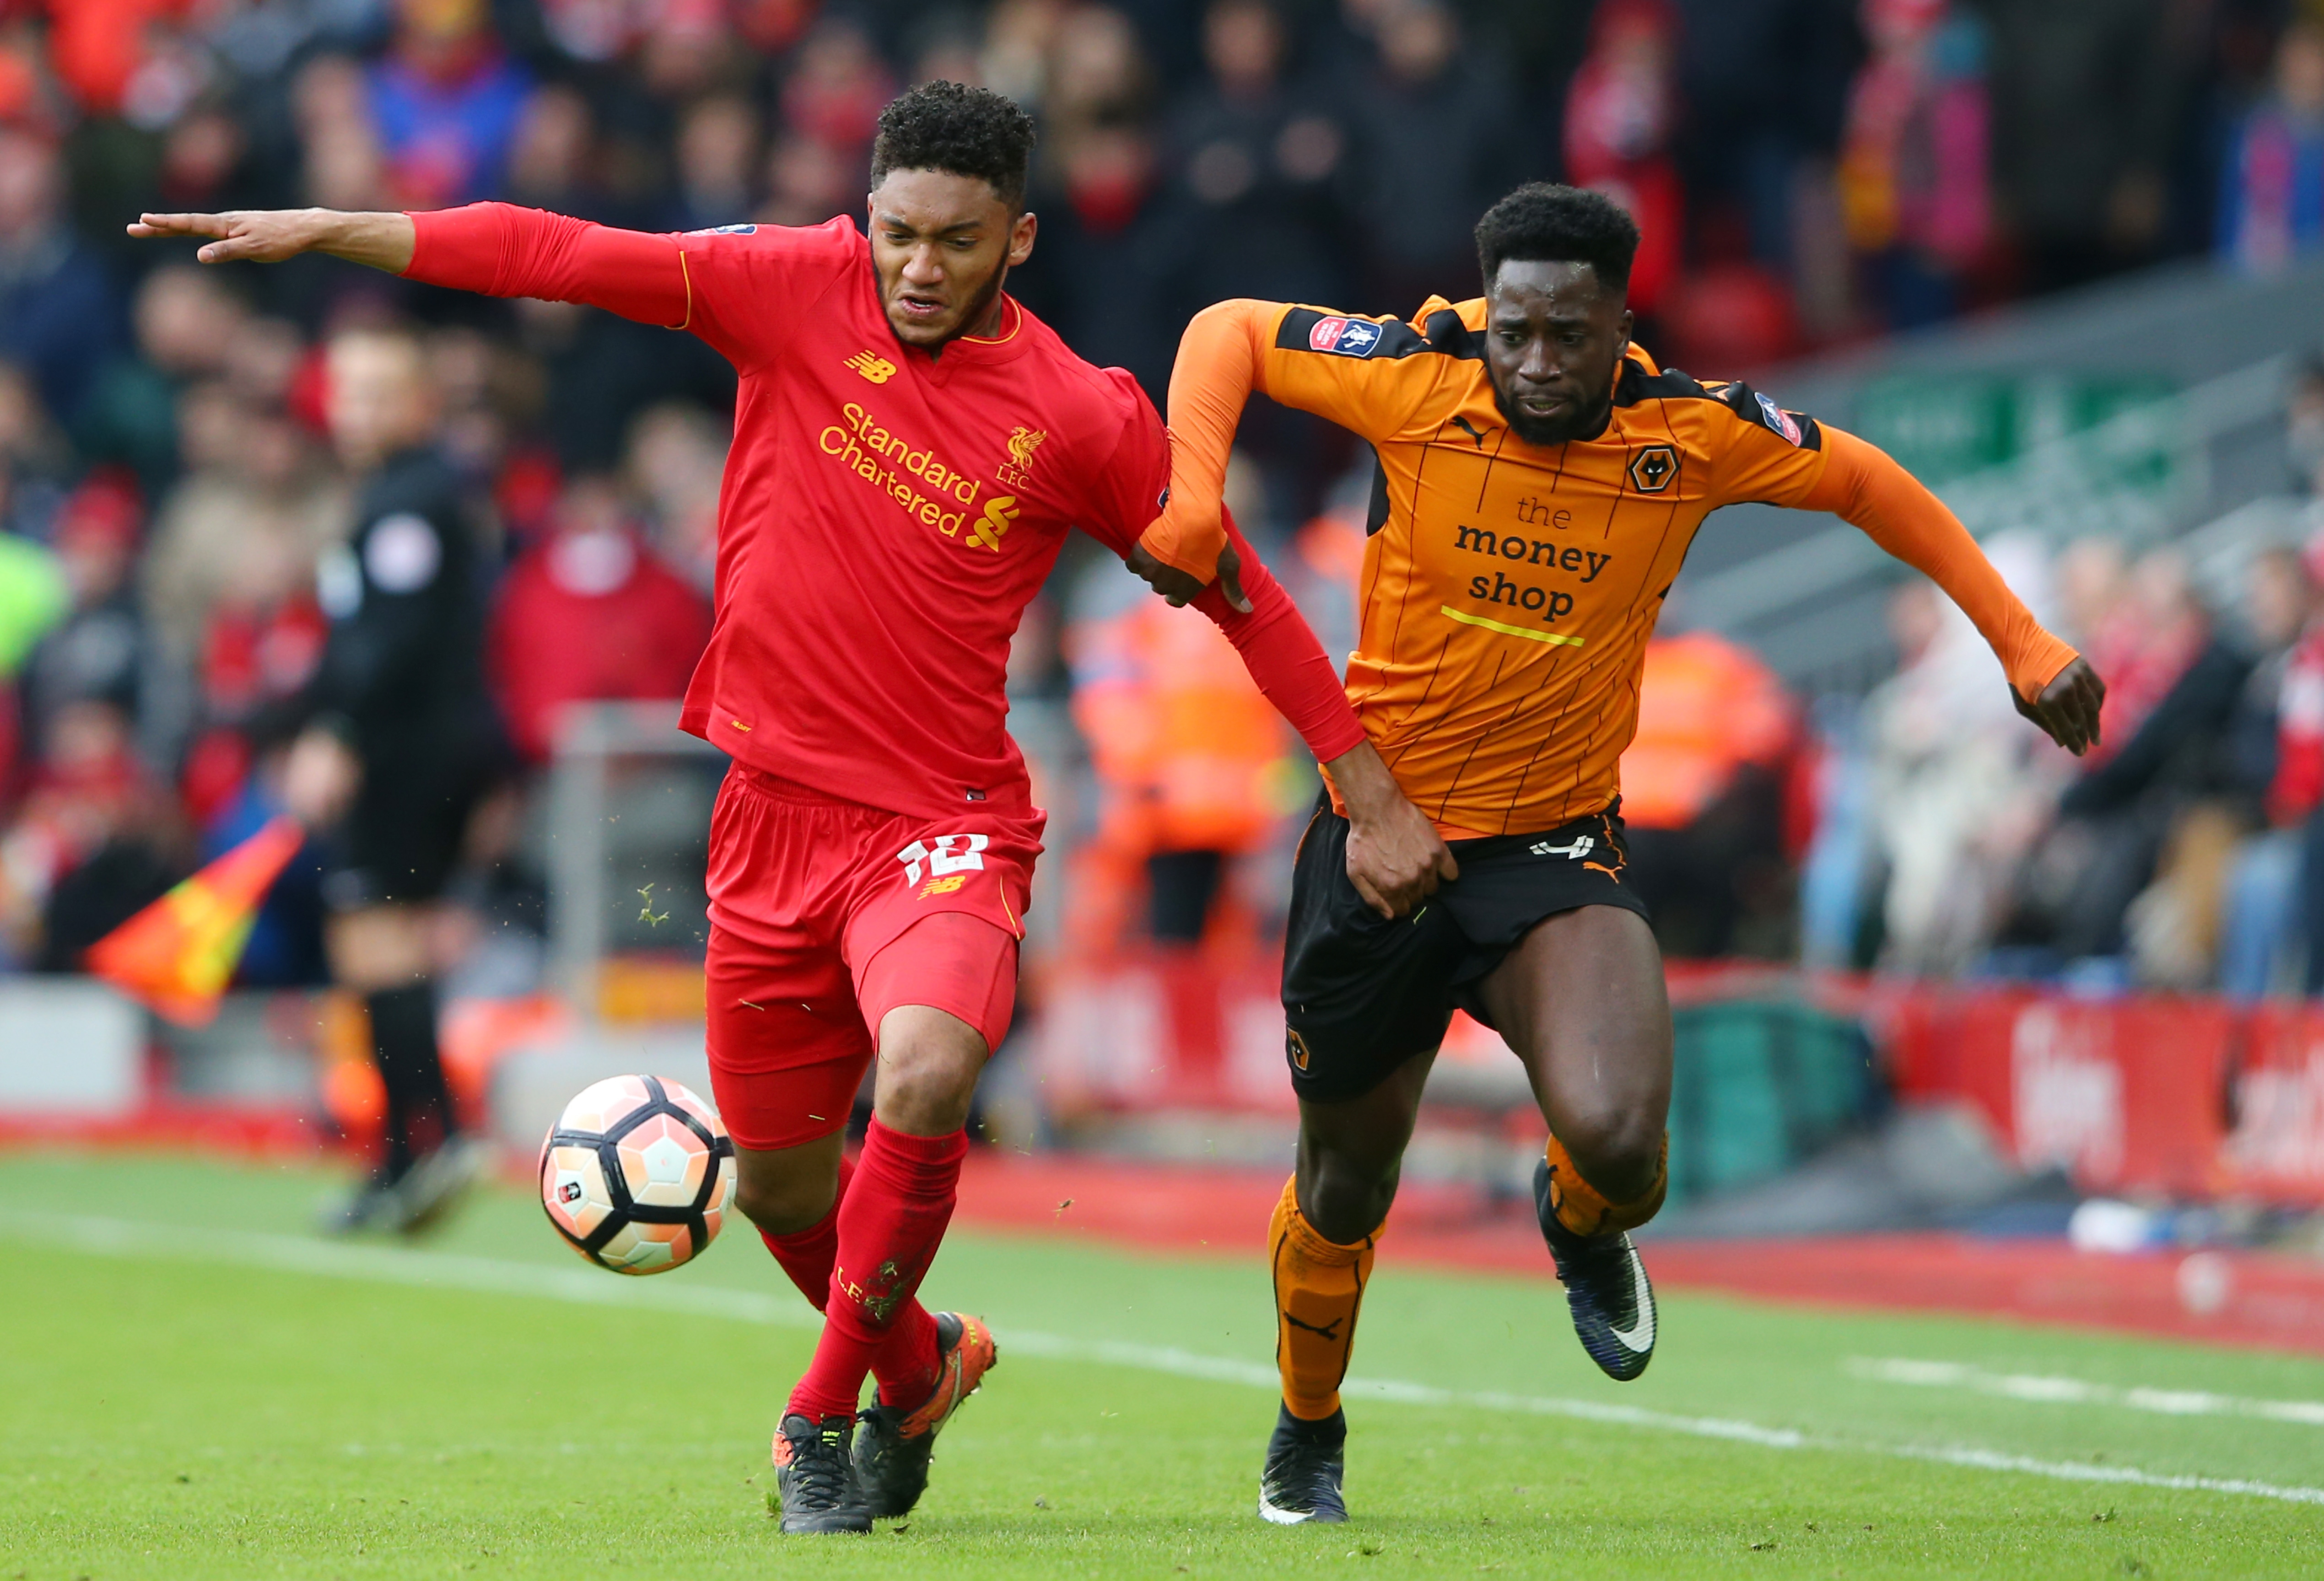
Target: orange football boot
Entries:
(893, 1446)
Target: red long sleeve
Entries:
(1285, 662)
(500, 250)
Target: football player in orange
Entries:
(1540, 479)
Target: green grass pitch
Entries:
(190, 1385)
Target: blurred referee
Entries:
(396, 743)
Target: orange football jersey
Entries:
(1509, 589)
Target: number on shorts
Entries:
(947, 853)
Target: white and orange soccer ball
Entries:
(637, 1175)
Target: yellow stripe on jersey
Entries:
(1469, 619)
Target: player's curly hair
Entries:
(1543, 222)
(962, 131)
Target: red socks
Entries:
(907, 1360)
(807, 1254)
(885, 1230)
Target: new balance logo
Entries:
(1581, 846)
(878, 369)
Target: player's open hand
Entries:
(2068, 709)
(1395, 858)
(1180, 587)
(255, 235)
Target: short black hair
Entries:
(1543, 223)
(962, 131)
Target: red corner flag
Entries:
(176, 956)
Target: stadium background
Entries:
(2024, 1035)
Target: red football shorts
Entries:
(824, 915)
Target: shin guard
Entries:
(1319, 1287)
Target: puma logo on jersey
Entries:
(878, 369)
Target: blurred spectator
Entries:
(1913, 170)
(548, 155)
(445, 103)
(1437, 150)
(59, 318)
(188, 323)
(94, 840)
(228, 589)
(34, 595)
(2083, 99)
(2139, 631)
(1191, 762)
(340, 148)
(1703, 792)
(590, 614)
(2150, 796)
(1258, 165)
(807, 184)
(2271, 202)
(1955, 792)
(1620, 118)
(1765, 84)
(1193, 767)
(717, 154)
(98, 652)
(676, 462)
(2277, 748)
(34, 459)
(1101, 268)
(832, 98)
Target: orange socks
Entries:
(1581, 1207)
(1319, 1285)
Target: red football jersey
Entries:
(887, 513)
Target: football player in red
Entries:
(910, 447)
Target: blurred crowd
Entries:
(2185, 851)
(1805, 171)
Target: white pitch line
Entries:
(120, 1237)
(2044, 1390)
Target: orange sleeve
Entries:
(1365, 374)
(1218, 367)
(1865, 487)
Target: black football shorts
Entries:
(401, 840)
(1363, 995)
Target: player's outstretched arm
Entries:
(2049, 682)
(495, 249)
(271, 236)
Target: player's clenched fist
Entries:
(1182, 587)
(1395, 858)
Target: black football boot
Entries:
(1606, 1287)
(814, 1476)
(1306, 1463)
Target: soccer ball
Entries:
(637, 1175)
